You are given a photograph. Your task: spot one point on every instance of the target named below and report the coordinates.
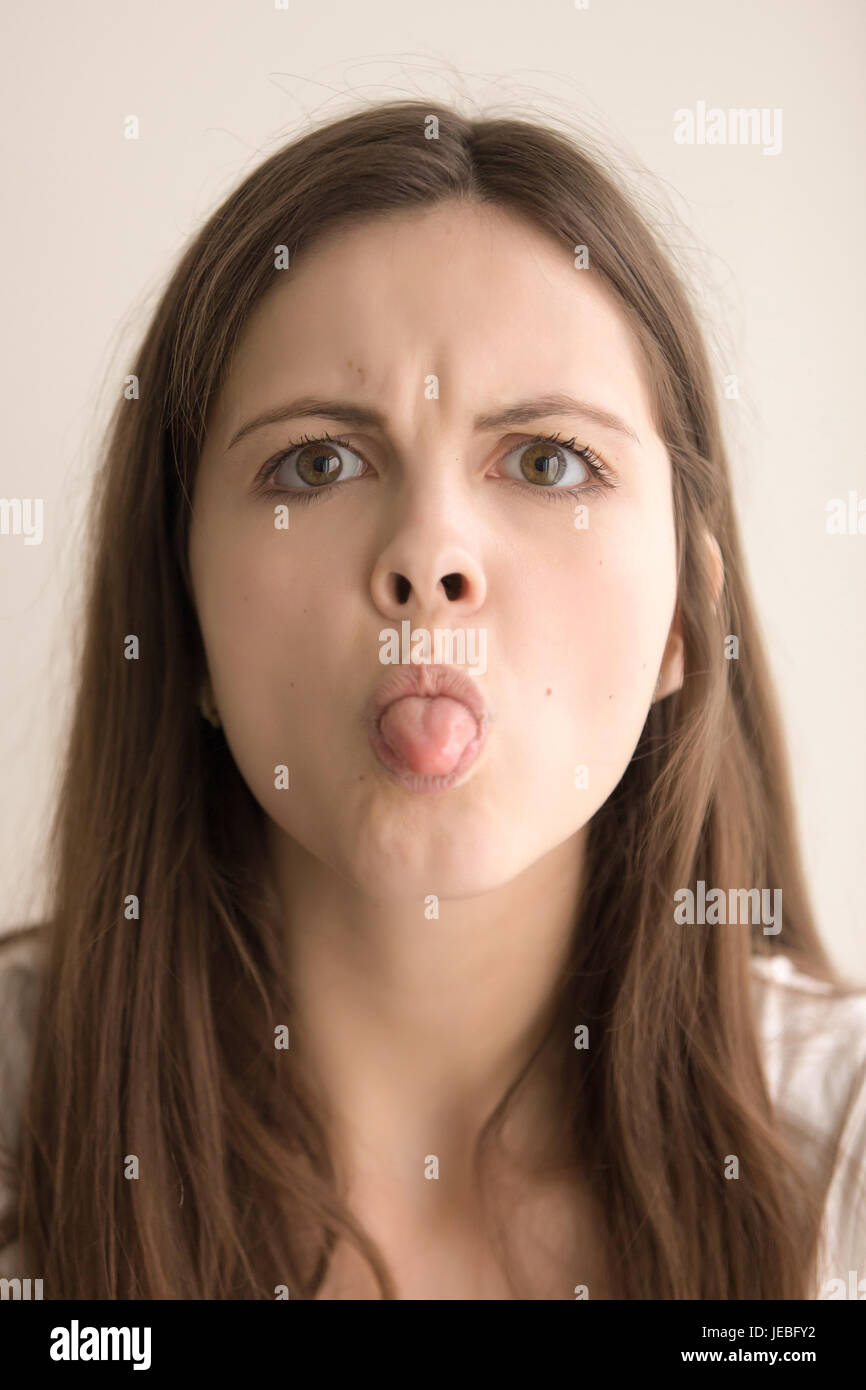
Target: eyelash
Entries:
(604, 478)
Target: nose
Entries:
(413, 579)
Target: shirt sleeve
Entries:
(19, 981)
(843, 1259)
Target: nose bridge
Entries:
(430, 566)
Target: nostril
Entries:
(453, 584)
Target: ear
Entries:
(207, 704)
(672, 670)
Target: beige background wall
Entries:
(775, 242)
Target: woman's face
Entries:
(566, 598)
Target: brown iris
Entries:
(318, 464)
(539, 464)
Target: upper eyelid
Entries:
(572, 445)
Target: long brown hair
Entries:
(155, 1032)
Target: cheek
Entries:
(283, 626)
(230, 579)
(267, 603)
(591, 650)
(623, 614)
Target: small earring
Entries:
(208, 708)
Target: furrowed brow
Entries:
(524, 412)
(520, 413)
(345, 411)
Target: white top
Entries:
(814, 1048)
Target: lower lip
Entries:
(416, 781)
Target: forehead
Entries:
(473, 295)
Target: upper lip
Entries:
(427, 680)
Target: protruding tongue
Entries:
(429, 733)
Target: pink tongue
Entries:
(428, 733)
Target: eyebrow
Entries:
(362, 416)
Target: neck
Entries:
(414, 1025)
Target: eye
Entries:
(310, 467)
(312, 462)
(542, 462)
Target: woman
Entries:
(423, 729)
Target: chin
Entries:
(416, 865)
